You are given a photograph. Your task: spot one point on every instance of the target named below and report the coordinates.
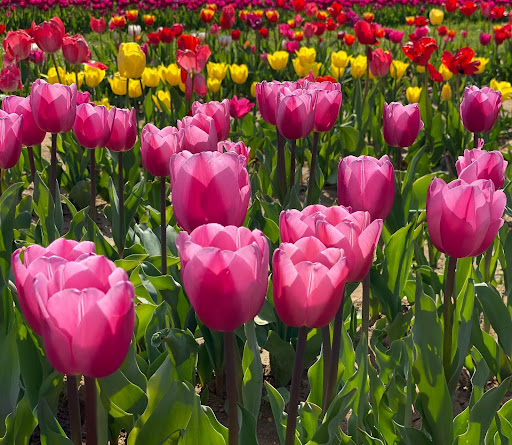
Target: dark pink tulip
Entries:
(480, 164)
(11, 129)
(238, 147)
(88, 316)
(396, 36)
(485, 39)
(49, 35)
(31, 135)
(82, 98)
(33, 260)
(124, 130)
(308, 281)
(367, 184)
(98, 25)
(266, 96)
(93, 125)
(401, 124)
(75, 49)
(10, 78)
(327, 109)
(17, 45)
(54, 106)
(219, 112)
(156, 148)
(295, 113)
(479, 109)
(239, 108)
(225, 273)
(463, 219)
(209, 187)
(380, 62)
(198, 133)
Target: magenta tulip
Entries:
(124, 130)
(198, 133)
(266, 96)
(10, 78)
(33, 260)
(31, 134)
(219, 112)
(11, 130)
(380, 62)
(479, 109)
(53, 106)
(366, 184)
(209, 187)
(295, 114)
(88, 316)
(238, 147)
(401, 124)
(93, 125)
(82, 98)
(239, 108)
(156, 148)
(327, 109)
(485, 38)
(308, 281)
(225, 273)
(480, 164)
(463, 219)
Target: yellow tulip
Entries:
(182, 86)
(52, 77)
(71, 78)
(504, 87)
(239, 73)
(173, 75)
(217, 70)
(339, 59)
(278, 60)
(164, 97)
(93, 76)
(118, 86)
(253, 89)
(358, 65)
(446, 92)
(445, 72)
(483, 62)
(135, 88)
(420, 69)
(304, 70)
(436, 17)
(398, 69)
(306, 55)
(213, 84)
(150, 77)
(337, 73)
(104, 101)
(131, 61)
(162, 72)
(413, 94)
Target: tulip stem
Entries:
(121, 202)
(295, 387)
(281, 166)
(487, 264)
(293, 146)
(92, 202)
(53, 168)
(229, 345)
(90, 411)
(1, 182)
(52, 56)
(314, 154)
(74, 410)
(448, 316)
(326, 356)
(163, 225)
(365, 311)
(32, 163)
(475, 142)
(398, 159)
(367, 78)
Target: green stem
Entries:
(229, 345)
(163, 225)
(293, 146)
(32, 163)
(92, 204)
(326, 356)
(366, 306)
(54, 60)
(53, 168)
(448, 316)
(314, 154)
(74, 410)
(281, 166)
(121, 202)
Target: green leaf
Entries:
(9, 373)
(51, 431)
(247, 427)
(19, 424)
(252, 370)
(8, 203)
(44, 208)
(199, 429)
(277, 404)
(282, 355)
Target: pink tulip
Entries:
(93, 125)
(33, 260)
(463, 219)
(82, 98)
(367, 184)
(54, 106)
(238, 147)
(193, 62)
(88, 316)
(485, 38)
(10, 78)
(49, 35)
(380, 62)
(156, 148)
(11, 129)
(124, 130)
(75, 49)
(239, 108)
(480, 164)
(396, 36)
(31, 135)
(295, 224)
(479, 109)
(295, 113)
(225, 273)
(266, 96)
(327, 109)
(401, 124)
(17, 45)
(308, 281)
(198, 133)
(209, 187)
(219, 112)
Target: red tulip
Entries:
(380, 62)
(451, 5)
(239, 108)
(75, 49)
(365, 33)
(468, 8)
(98, 25)
(349, 39)
(462, 62)
(48, 35)
(10, 78)
(157, 147)
(11, 129)
(421, 50)
(31, 135)
(17, 45)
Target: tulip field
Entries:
(255, 222)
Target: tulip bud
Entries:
(446, 92)
(479, 109)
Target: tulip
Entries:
(463, 219)
(266, 96)
(134, 31)
(238, 73)
(82, 98)
(479, 109)
(124, 131)
(162, 97)
(339, 59)
(93, 125)
(213, 85)
(33, 260)
(308, 281)
(131, 61)
(219, 112)
(295, 113)
(446, 92)
(98, 25)
(54, 106)
(173, 75)
(31, 134)
(401, 124)
(11, 129)
(75, 50)
(198, 133)
(239, 108)
(365, 33)
(483, 63)
(327, 109)
(480, 164)
(445, 72)
(358, 66)
(157, 147)
(209, 187)
(217, 70)
(225, 273)
(17, 45)
(398, 69)
(413, 94)
(436, 17)
(359, 178)
(49, 35)
(278, 60)
(380, 62)
(10, 78)
(84, 296)
(238, 147)
(150, 77)
(485, 38)
(93, 76)
(505, 88)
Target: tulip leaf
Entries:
(114, 213)
(199, 429)
(51, 431)
(281, 355)
(247, 427)
(309, 419)
(183, 350)
(8, 202)
(44, 207)
(277, 404)
(19, 424)
(148, 106)
(413, 436)
(252, 370)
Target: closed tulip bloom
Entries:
(219, 112)
(75, 49)
(131, 60)
(17, 45)
(217, 70)
(10, 78)
(209, 187)
(238, 147)
(198, 133)
(436, 16)
(98, 25)
(295, 113)
(33, 260)
(413, 94)
(156, 148)
(358, 66)
(380, 62)
(173, 75)
(367, 184)
(480, 164)
(93, 125)
(266, 97)
(446, 92)
(54, 106)
(31, 134)
(479, 109)
(124, 130)
(278, 60)
(295, 224)
(49, 35)
(88, 314)
(225, 273)
(339, 59)
(93, 76)
(150, 77)
(485, 38)
(327, 109)
(239, 73)
(398, 69)
(401, 124)
(463, 219)
(11, 129)
(308, 281)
